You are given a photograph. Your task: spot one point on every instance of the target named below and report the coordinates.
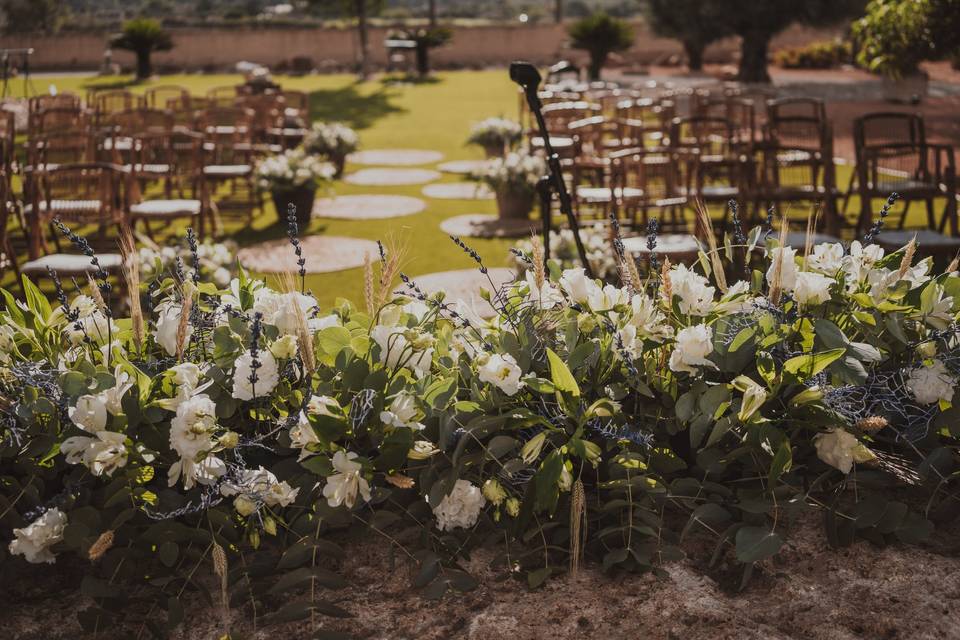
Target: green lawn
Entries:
(430, 115)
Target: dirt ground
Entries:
(809, 592)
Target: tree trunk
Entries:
(753, 58)
(597, 61)
(558, 11)
(694, 51)
(361, 10)
(144, 69)
(423, 60)
(433, 12)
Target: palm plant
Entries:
(142, 36)
(600, 35)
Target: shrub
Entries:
(816, 55)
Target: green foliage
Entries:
(693, 22)
(827, 54)
(895, 36)
(143, 36)
(600, 35)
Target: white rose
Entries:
(932, 383)
(695, 296)
(826, 258)
(34, 541)
(786, 256)
(692, 347)
(193, 428)
(840, 449)
(461, 508)
(812, 288)
(90, 413)
(344, 486)
(502, 371)
(267, 376)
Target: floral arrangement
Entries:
(517, 172)
(585, 420)
(497, 134)
(563, 249)
(292, 169)
(217, 260)
(331, 140)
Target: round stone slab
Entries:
(391, 177)
(458, 191)
(323, 253)
(462, 167)
(484, 225)
(463, 287)
(367, 207)
(396, 157)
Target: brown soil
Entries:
(810, 592)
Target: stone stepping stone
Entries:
(458, 191)
(324, 254)
(367, 207)
(396, 157)
(679, 247)
(462, 167)
(391, 177)
(485, 225)
(462, 287)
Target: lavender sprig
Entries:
(293, 231)
(470, 252)
(194, 253)
(884, 212)
(653, 228)
(738, 236)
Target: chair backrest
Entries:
(106, 103)
(704, 135)
(37, 104)
(142, 120)
(873, 130)
(891, 151)
(810, 108)
(83, 193)
(167, 96)
(222, 96)
(560, 114)
(57, 119)
(63, 147)
(588, 135)
(738, 111)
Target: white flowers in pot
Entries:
(495, 135)
(514, 179)
(292, 169)
(332, 140)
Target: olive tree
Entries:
(693, 22)
(600, 35)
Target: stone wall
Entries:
(220, 48)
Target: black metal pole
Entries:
(527, 76)
(546, 198)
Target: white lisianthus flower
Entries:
(267, 376)
(858, 263)
(577, 285)
(607, 298)
(461, 508)
(938, 312)
(840, 449)
(102, 454)
(826, 258)
(695, 296)
(168, 324)
(811, 288)
(396, 350)
(192, 429)
(348, 482)
(546, 296)
(648, 320)
(693, 345)
(257, 487)
(786, 256)
(323, 406)
(301, 435)
(33, 542)
(285, 310)
(205, 472)
(90, 413)
(113, 397)
(502, 371)
(403, 412)
(931, 383)
(285, 347)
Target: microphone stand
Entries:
(527, 76)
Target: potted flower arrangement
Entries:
(514, 179)
(292, 177)
(495, 135)
(332, 140)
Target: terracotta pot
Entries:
(494, 150)
(515, 204)
(338, 162)
(301, 198)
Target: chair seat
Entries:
(719, 191)
(558, 142)
(65, 206)
(926, 238)
(166, 208)
(123, 143)
(158, 169)
(287, 132)
(667, 244)
(606, 194)
(70, 263)
(799, 239)
(227, 170)
(906, 185)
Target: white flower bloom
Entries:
(168, 324)
(692, 347)
(34, 541)
(285, 347)
(931, 383)
(267, 376)
(205, 472)
(102, 454)
(422, 449)
(114, 396)
(502, 371)
(301, 435)
(693, 290)
(284, 310)
(91, 322)
(840, 449)
(323, 406)
(607, 298)
(858, 263)
(546, 296)
(344, 486)
(812, 288)
(461, 508)
(826, 258)
(90, 413)
(648, 320)
(786, 256)
(403, 412)
(258, 487)
(396, 350)
(192, 429)
(577, 285)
